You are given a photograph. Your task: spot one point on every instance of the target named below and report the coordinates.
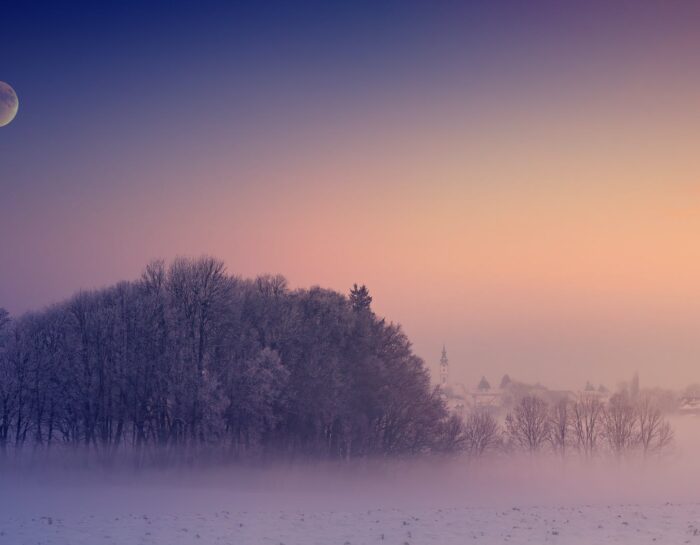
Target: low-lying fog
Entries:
(429, 483)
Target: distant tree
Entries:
(560, 426)
(481, 432)
(528, 424)
(620, 424)
(360, 298)
(452, 435)
(4, 318)
(587, 415)
(484, 384)
(505, 381)
(589, 387)
(654, 431)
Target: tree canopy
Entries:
(190, 357)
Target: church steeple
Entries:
(444, 367)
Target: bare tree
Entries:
(620, 424)
(560, 426)
(528, 424)
(481, 432)
(453, 437)
(586, 421)
(654, 433)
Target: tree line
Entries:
(587, 426)
(190, 358)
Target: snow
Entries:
(633, 524)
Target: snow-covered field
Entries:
(628, 524)
(431, 502)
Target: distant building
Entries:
(453, 394)
(461, 399)
(690, 407)
(690, 402)
(485, 396)
(634, 385)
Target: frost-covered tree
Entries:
(189, 357)
(360, 298)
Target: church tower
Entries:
(444, 367)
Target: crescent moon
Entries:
(9, 104)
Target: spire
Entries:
(444, 367)
(634, 387)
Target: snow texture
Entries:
(627, 524)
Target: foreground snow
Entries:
(626, 524)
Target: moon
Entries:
(9, 104)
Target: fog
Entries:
(431, 483)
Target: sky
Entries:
(518, 181)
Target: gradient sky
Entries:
(518, 180)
